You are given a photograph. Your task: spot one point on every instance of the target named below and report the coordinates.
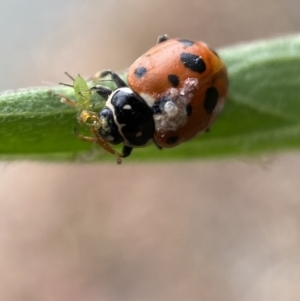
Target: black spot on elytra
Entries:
(140, 72)
(158, 106)
(173, 79)
(211, 99)
(214, 52)
(189, 110)
(172, 139)
(193, 62)
(186, 43)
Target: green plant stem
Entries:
(261, 114)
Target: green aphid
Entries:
(81, 90)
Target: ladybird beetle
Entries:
(175, 91)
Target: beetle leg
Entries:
(115, 77)
(102, 91)
(162, 38)
(126, 151)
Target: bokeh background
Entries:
(214, 230)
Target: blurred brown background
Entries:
(224, 230)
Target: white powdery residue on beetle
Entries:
(173, 113)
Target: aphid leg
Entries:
(162, 38)
(70, 77)
(99, 140)
(66, 100)
(63, 98)
(115, 77)
(96, 138)
(84, 138)
(104, 144)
